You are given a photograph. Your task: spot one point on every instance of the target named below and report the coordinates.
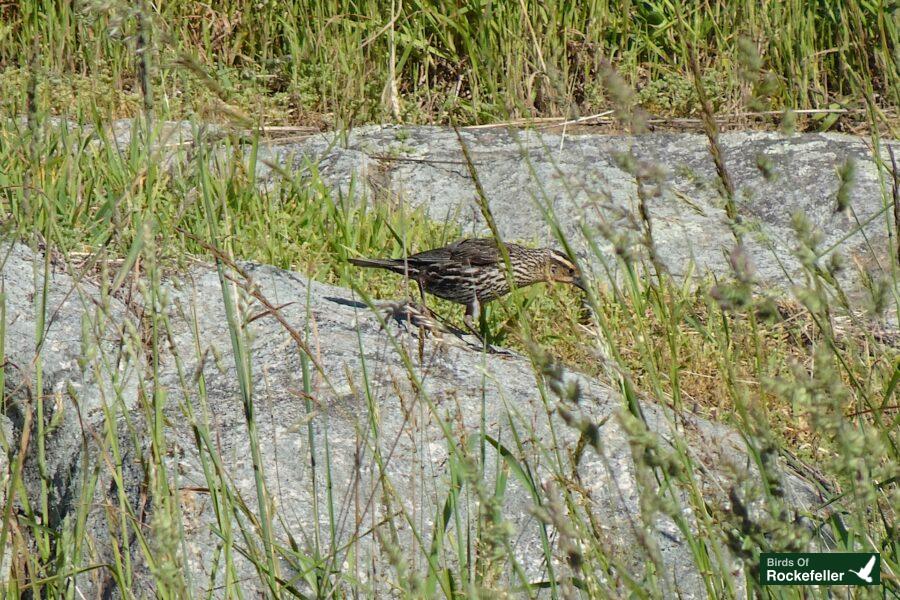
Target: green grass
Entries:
(782, 373)
(338, 62)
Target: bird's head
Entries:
(561, 269)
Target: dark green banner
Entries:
(836, 568)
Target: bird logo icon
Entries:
(866, 572)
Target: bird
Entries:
(866, 572)
(472, 272)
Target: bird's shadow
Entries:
(346, 302)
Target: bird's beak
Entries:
(580, 284)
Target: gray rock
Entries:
(378, 406)
(581, 182)
(85, 342)
(6, 441)
(391, 420)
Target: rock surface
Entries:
(389, 417)
(587, 185)
(581, 180)
(81, 401)
(392, 421)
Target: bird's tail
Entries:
(394, 265)
(376, 263)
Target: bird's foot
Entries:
(482, 344)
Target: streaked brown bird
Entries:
(472, 272)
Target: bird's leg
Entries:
(422, 292)
(473, 312)
(423, 308)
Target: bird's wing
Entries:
(481, 251)
(868, 568)
(437, 255)
(477, 252)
